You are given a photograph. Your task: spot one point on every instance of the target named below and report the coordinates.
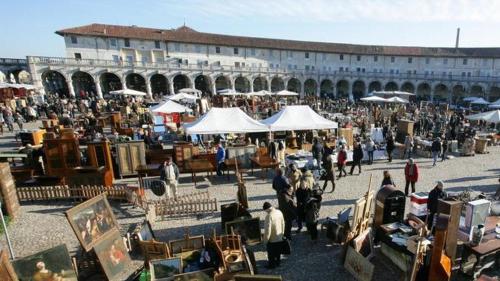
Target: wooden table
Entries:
(264, 163)
(231, 165)
(148, 170)
(194, 166)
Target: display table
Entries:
(148, 170)
(300, 159)
(194, 166)
(264, 163)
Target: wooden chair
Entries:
(153, 250)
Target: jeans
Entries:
(288, 228)
(370, 157)
(408, 152)
(435, 155)
(354, 164)
(220, 166)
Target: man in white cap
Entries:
(432, 202)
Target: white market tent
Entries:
(480, 101)
(298, 117)
(468, 99)
(397, 100)
(190, 91)
(127, 92)
(391, 93)
(261, 93)
(490, 116)
(373, 99)
(170, 106)
(286, 93)
(224, 121)
(17, 86)
(495, 104)
(182, 96)
(229, 92)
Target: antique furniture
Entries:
(8, 196)
(440, 265)
(32, 137)
(242, 153)
(183, 151)
(62, 155)
(99, 155)
(389, 207)
(454, 210)
(264, 163)
(194, 166)
(348, 135)
(129, 156)
(154, 250)
(404, 127)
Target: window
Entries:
(485, 62)
(157, 44)
(427, 60)
(78, 56)
(464, 62)
(347, 69)
(116, 58)
(312, 67)
(468, 74)
(130, 58)
(397, 71)
(410, 60)
(197, 48)
(307, 55)
(445, 61)
(237, 64)
(271, 65)
(290, 54)
(177, 47)
(324, 56)
(375, 58)
(295, 67)
(358, 69)
(289, 66)
(127, 42)
(463, 74)
(341, 57)
(236, 51)
(74, 40)
(252, 52)
(392, 71)
(112, 42)
(358, 58)
(341, 69)
(242, 64)
(307, 67)
(414, 72)
(393, 59)
(217, 50)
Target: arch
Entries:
(136, 82)
(110, 82)
(259, 84)
(277, 84)
(374, 86)
(22, 76)
(310, 87)
(242, 84)
(326, 89)
(408, 87)
(391, 86)
(55, 83)
(222, 82)
(358, 89)
(477, 91)
(83, 84)
(181, 81)
(424, 92)
(203, 83)
(294, 85)
(441, 93)
(457, 93)
(159, 84)
(494, 93)
(343, 89)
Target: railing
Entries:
(174, 65)
(64, 192)
(12, 61)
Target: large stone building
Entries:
(100, 58)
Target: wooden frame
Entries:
(187, 244)
(7, 272)
(153, 250)
(200, 275)
(112, 255)
(92, 221)
(172, 264)
(145, 232)
(242, 227)
(358, 265)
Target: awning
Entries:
(480, 101)
(223, 121)
(374, 99)
(285, 93)
(490, 116)
(170, 107)
(190, 91)
(182, 96)
(127, 92)
(298, 117)
(397, 100)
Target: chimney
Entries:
(458, 38)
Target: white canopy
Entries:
(261, 93)
(374, 99)
(229, 92)
(470, 98)
(397, 100)
(223, 121)
(495, 104)
(285, 93)
(182, 96)
(298, 117)
(127, 92)
(17, 86)
(480, 101)
(170, 106)
(392, 93)
(490, 116)
(190, 91)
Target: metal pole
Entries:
(6, 233)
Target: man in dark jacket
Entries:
(317, 151)
(289, 209)
(280, 182)
(436, 150)
(357, 156)
(390, 146)
(312, 213)
(432, 202)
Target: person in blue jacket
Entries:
(220, 157)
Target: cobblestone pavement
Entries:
(42, 226)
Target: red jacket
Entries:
(414, 177)
(342, 158)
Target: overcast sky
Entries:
(28, 26)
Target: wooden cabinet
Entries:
(33, 138)
(62, 155)
(129, 156)
(99, 155)
(183, 151)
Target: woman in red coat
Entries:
(342, 161)
(411, 175)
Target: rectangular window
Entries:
(397, 71)
(116, 58)
(306, 55)
(236, 51)
(463, 74)
(392, 71)
(295, 67)
(358, 58)
(468, 74)
(289, 66)
(464, 62)
(445, 61)
(312, 67)
(78, 56)
(375, 58)
(252, 52)
(363, 70)
(177, 47)
(197, 48)
(341, 57)
(427, 60)
(217, 50)
(112, 42)
(157, 44)
(242, 64)
(341, 69)
(358, 69)
(410, 60)
(74, 40)
(414, 72)
(393, 59)
(271, 65)
(237, 64)
(127, 42)
(130, 58)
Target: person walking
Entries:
(312, 213)
(370, 148)
(432, 202)
(408, 146)
(279, 181)
(387, 179)
(18, 118)
(357, 157)
(302, 195)
(411, 175)
(274, 226)
(444, 146)
(289, 209)
(317, 151)
(390, 146)
(342, 161)
(169, 173)
(220, 158)
(436, 150)
(294, 176)
(329, 173)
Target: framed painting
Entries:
(145, 232)
(248, 229)
(112, 255)
(201, 275)
(257, 277)
(163, 270)
(52, 264)
(363, 243)
(187, 244)
(7, 272)
(358, 265)
(92, 221)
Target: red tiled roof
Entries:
(186, 34)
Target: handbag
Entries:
(286, 248)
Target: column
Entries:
(214, 89)
(148, 89)
(98, 89)
(171, 86)
(449, 96)
(251, 86)
(69, 82)
(351, 97)
(268, 85)
(318, 91)
(124, 83)
(432, 95)
(334, 91)
(233, 84)
(302, 90)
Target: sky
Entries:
(28, 26)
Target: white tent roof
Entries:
(480, 101)
(490, 116)
(374, 99)
(190, 91)
(182, 96)
(298, 117)
(261, 93)
(391, 93)
(494, 106)
(170, 106)
(127, 92)
(284, 93)
(228, 92)
(224, 120)
(17, 86)
(397, 100)
(470, 98)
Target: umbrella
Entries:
(170, 106)
(182, 96)
(190, 91)
(490, 116)
(374, 99)
(397, 100)
(127, 92)
(285, 93)
(480, 101)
